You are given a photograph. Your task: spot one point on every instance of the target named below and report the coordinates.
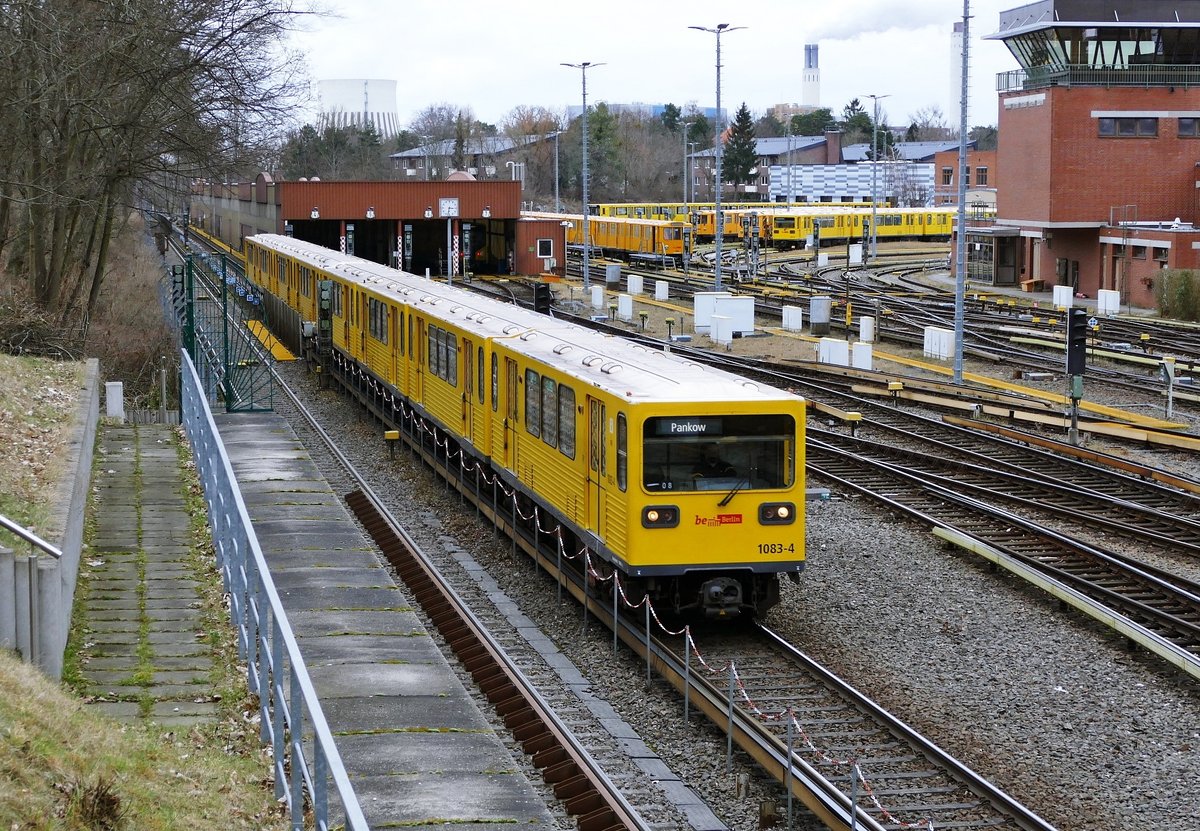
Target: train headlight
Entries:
(660, 516)
(776, 513)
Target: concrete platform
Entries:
(417, 749)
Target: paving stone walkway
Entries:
(144, 651)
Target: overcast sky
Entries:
(494, 56)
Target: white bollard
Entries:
(1108, 302)
(833, 351)
(114, 400)
(635, 283)
(662, 290)
(793, 319)
(866, 329)
(1064, 297)
(597, 297)
(625, 307)
(862, 356)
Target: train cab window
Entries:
(434, 357)
(550, 412)
(622, 451)
(533, 402)
(566, 421)
(749, 452)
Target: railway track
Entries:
(1158, 608)
(796, 710)
(981, 477)
(968, 805)
(578, 780)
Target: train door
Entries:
(597, 469)
(364, 316)
(419, 355)
(468, 351)
(398, 348)
(511, 402)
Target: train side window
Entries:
(533, 402)
(479, 365)
(566, 421)
(400, 332)
(622, 451)
(550, 412)
(452, 358)
(433, 350)
(495, 382)
(410, 333)
(468, 373)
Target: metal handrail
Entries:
(292, 720)
(29, 537)
(1148, 75)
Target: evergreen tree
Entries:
(458, 157)
(814, 123)
(741, 149)
(670, 117)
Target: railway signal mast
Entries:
(1077, 332)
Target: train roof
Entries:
(641, 220)
(627, 370)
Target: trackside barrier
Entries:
(290, 713)
(419, 432)
(31, 614)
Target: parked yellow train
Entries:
(623, 237)
(794, 227)
(688, 480)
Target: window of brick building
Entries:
(947, 176)
(981, 176)
(1189, 127)
(1128, 127)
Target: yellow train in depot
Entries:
(836, 224)
(624, 236)
(688, 480)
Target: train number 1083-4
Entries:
(776, 548)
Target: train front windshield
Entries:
(692, 453)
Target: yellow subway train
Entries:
(686, 480)
(623, 236)
(794, 227)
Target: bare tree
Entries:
(929, 124)
(109, 103)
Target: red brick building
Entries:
(1099, 147)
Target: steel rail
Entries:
(575, 777)
(1161, 615)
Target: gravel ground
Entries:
(1050, 706)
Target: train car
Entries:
(624, 236)
(837, 225)
(687, 480)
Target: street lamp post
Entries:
(583, 68)
(686, 125)
(691, 171)
(874, 173)
(791, 192)
(557, 201)
(720, 220)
